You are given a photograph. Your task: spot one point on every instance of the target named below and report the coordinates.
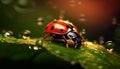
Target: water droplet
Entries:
(114, 21)
(22, 3)
(25, 34)
(72, 3)
(39, 42)
(7, 33)
(79, 3)
(82, 17)
(73, 62)
(101, 38)
(30, 47)
(101, 42)
(50, 2)
(57, 51)
(61, 17)
(22, 10)
(35, 48)
(40, 21)
(100, 67)
(109, 42)
(55, 20)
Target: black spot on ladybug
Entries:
(67, 26)
(61, 29)
(52, 28)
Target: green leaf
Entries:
(90, 56)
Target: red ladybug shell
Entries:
(59, 27)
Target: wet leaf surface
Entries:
(55, 54)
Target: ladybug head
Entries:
(72, 35)
(75, 37)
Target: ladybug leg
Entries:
(52, 38)
(65, 41)
(77, 42)
(44, 36)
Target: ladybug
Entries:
(61, 29)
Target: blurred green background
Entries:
(99, 18)
(19, 15)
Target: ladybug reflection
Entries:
(60, 29)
